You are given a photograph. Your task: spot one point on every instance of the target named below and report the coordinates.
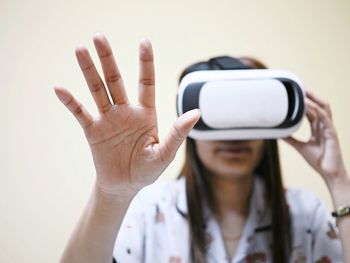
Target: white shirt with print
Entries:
(155, 229)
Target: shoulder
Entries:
(302, 199)
(305, 206)
(313, 227)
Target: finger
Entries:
(177, 135)
(314, 98)
(321, 121)
(322, 103)
(110, 69)
(93, 79)
(322, 114)
(310, 112)
(146, 75)
(74, 106)
(311, 115)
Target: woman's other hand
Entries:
(322, 150)
(123, 138)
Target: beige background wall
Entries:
(46, 170)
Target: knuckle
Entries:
(146, 58)
(88, 67)
(147, 81)
(96, 87)
(105, 107)
(177, 135)
(167, 155)
(113, 78)
(106, 55)
(120, 99)
(88, 123)
(78, 110)
(69, 102)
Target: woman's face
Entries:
(230, 159)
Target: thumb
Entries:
(298, 145)
(177, 134)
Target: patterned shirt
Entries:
(155, 229)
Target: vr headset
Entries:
(242, 103)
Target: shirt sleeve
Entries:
(129, 245)
(326, 245)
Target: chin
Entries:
(232, 173)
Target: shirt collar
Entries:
(257, 201)
(259, 219)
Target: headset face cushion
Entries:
(242, 104)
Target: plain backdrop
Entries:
(46, 169)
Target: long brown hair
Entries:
(198, 186)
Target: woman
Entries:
(210, 223)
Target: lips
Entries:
(234, 149)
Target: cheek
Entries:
(207, 156)
(205, 153)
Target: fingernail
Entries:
(98, 35)
(80, 48)
(63, 97)
(146, 52)
(197, 111)
(145, 42)
(193, 113)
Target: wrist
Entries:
(115, 197)
(336, 174)
(339, 188)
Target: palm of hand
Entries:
(123, 143)
(123, 139)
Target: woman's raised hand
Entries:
(322, 150)
(123, 138)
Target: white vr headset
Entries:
(242, 104)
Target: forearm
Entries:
(94, 236)
(340, 192)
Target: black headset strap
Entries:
(226, 63)
(217, 63)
